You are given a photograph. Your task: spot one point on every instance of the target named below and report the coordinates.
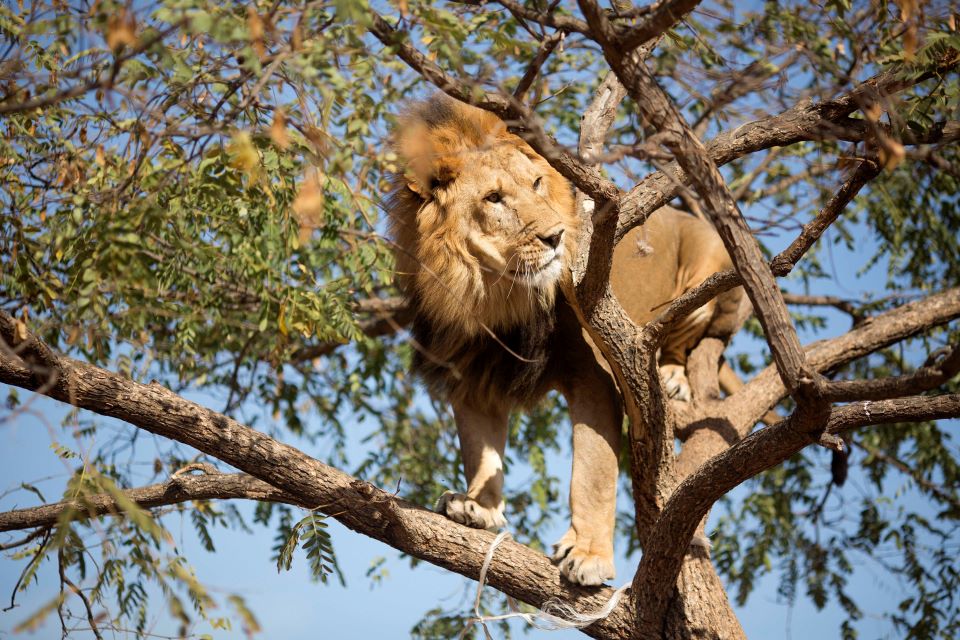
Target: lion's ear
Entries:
(425, 183)
(524, 148)
(416, 187)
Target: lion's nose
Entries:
(553, 240)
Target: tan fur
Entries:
(484, 230)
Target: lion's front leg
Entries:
(483, 436)
(585, 552)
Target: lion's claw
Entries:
(582, 566)
(675, 382)
(467, 511)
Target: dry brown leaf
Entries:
(296, 36)
(257, 30)
(278, 129)
(243, 153)
(121, 31)
(910, 39)
(907, 8)
(20, 330)
(892, 154)
(318, 137)
(308, 205)
(873, 111)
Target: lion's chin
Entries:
(543, 278)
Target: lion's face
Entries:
(484, 226)
(502, 207)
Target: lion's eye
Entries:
(494, 197)
(537, 183)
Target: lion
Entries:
(484, 231)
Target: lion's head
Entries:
(484, 226)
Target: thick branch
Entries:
(632, 358)
(912, 409)
(744, 251)
(183, 488)
(515, 570)
(764, 391)
(803, 121)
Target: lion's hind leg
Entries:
(719, 318)
(681, 338)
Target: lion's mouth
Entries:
(540, 276)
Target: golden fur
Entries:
(484, 231)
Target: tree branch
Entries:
(923, 379)
(505, 106)
(762, 450)
(744, 251)
(631, 357)
(662, 18)
(388, 324)
(567, 24)
(764, 391)
(912, 409)
(533, 69)
(783, 264)
(846, 306)
(183, 488)
(804, 121)
(940, 492)
(515, 570)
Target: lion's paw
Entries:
(675, 382)
(582, 566)
(467, 511)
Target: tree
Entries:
(190, 201)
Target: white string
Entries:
(553, 616)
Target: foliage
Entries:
(191, 194)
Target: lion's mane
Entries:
(477, 335)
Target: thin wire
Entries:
(553, 616)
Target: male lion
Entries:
(484, 229)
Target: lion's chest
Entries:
(509, 366)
